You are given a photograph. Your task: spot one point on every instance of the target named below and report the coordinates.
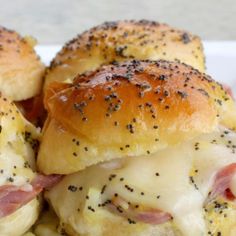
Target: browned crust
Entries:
(21, 70)
(132, 108)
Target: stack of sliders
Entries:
(20, 186)
(145, 140)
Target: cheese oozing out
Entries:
(176, 180)
(17, 140)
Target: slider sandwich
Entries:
(146, 147)
(20, 185)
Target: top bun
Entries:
(129, 109)
(20, 68)
(122, 41)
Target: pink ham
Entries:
(149, 216)
(46, 181)
(153, 216)
(13, 197)
(222, 183)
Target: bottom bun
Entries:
(175, 191)
(20, 221)
(47, 224)
(105, 223)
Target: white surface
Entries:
(220, 60)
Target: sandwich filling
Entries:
(178, 184)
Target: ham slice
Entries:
(46, 181)
(153, 216)
(148, 216)
(13, 197)
(222, 182)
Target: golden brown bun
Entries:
(20, 68)
(129, 109)
(122, 41)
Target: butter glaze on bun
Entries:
(21, 70)
(122, 41)
(129, 109)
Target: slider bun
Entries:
(122, 41)
(48, 224)
(20, 68)
(129, 109)
(21, 220)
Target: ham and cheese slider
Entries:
(19, 183)
(122, 41)
(147, 147)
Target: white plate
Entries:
(220, 59)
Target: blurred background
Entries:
(56, 21)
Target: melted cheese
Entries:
(180, 176)
(16, 166)
(13, 168)
(16, 154)
(223, 214)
